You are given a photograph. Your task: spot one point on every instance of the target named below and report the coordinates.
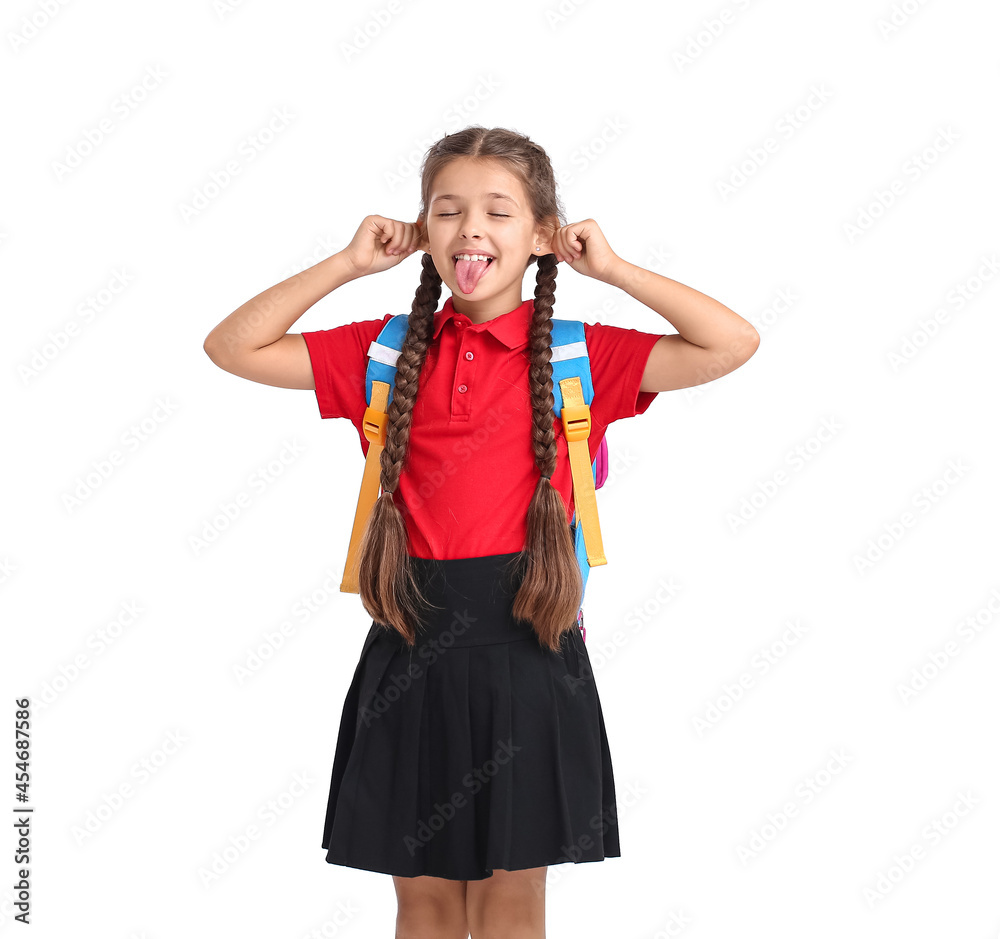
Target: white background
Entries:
(867, 366)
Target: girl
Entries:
(472, 750)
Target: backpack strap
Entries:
(572, 392)
(380, 380)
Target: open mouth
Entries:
(470, 269)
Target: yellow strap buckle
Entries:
(576, 421)
(374, 425)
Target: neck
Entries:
(482, 311)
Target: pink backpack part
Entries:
(601, 464)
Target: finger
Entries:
(383, 228)
(405, 238)
(420, 239)
(395, 229)
(412, 237)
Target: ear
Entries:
(423, 242)
(544, 233)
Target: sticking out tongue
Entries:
(468, 274)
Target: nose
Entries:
(470, 228)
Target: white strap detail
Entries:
(384, 354)
(568, 350)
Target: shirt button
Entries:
(469, 355)
(463, 388)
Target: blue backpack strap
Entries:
(570, 359)
(382, 355)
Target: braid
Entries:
(552, 587)
(408, 365)
(540, 370)
(386, 582)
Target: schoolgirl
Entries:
(472, 751)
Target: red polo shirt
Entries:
(470, 474)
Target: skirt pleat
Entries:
(476, 750)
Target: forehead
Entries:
(479, 179)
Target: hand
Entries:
(583, 246)
(381, 243)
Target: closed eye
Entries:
(448, 214)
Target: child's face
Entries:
(471, 220)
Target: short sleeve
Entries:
(339, 359)
(618, 359)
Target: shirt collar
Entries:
(510, 328)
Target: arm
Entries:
(253, 341)
(712, 340)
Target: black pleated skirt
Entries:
(477, 749)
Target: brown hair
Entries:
(551, 587)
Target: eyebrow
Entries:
(489, 195)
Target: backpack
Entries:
(572, 392)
